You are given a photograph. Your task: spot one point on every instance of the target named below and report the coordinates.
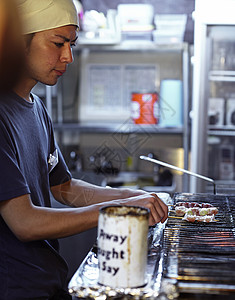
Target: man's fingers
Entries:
(159, 211)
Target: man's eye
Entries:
(73, 45)
(59, 45)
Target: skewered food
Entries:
(194, 211)
(180, 211)
(193, 204)
(188, 204)
(193, 218)
(212, 211)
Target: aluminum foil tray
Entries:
(84, 283)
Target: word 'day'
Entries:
(122, 246)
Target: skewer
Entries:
(174, 217)
(179, 169)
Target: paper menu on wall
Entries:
(139, 79)
(104, 85)
(111, 85)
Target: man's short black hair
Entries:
(28, 39)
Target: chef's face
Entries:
(49, 53)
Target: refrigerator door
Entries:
(213, 109)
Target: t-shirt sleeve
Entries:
(12, 181)
(60, 173)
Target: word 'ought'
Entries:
(111, 254)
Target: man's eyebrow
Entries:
(66, 39)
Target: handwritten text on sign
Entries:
(113, 253)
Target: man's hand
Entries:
(158, 209)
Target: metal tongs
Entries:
(178, 169)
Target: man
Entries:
(11, 56)
(32, 166)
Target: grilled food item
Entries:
(188, 204)
(194, 211)
(193, 218)
(180, 211)
(193, 204)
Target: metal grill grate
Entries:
(202, 253)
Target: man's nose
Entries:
(67, 54)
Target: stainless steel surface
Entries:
(202, 89)
(186, 99)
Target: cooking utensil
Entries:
(178, 169)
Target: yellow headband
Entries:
(40, 15)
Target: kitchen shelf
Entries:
(133, 46)
(222, 75)
(222, 131)
(121, 128)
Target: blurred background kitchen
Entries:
(152, 78)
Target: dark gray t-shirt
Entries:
(32, 270)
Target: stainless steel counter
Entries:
(84, 283)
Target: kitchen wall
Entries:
(167, 147)
(160, 7)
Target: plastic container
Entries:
(170, 22)
(170, 28)
(135, 14)
(171, 103)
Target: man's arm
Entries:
(29, 222)
(78, 193)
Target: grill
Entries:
(200, 257)
(186, 261)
